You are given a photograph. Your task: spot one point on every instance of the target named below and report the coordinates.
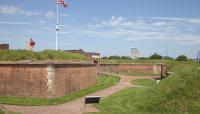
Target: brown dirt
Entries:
(77, 106)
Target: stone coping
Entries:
(132, 64)
(46, 62)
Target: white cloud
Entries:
(16, 23)
(194, 21)
(42, 22)
(13, 10)
(9, 9)
(177, 30)
(50, 15)
(65, 15)
(159, 24)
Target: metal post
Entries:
(57, 29)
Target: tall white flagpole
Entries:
(57, 29)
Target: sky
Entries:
(110, 27)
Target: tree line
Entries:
(153, 56)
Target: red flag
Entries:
(62, 2)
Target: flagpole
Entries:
(57, 29)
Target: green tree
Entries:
(125, 57)
(168, 57)
(115, 57)
(155, 56)
(182, 58)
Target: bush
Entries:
(155, 56)
(115, 57)
(182, 58)
(125, 57)
(168, 58)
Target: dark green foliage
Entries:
(182, 58)
(16, 55)
(155, 56)
(125, 57)
(168, 58)
(115, 57)
(104, 58)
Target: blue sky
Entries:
(110, 27)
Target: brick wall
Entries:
(45, 80)
(74, 77)
(4, 46)
(130, 68)
(22, 80)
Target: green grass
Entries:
(16, 55)
(144, 82)
(102, 82)
(1, 112)
(177, 94)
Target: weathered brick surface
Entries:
(130, 68)
(31, 79)
(70, 78)
(22, 80)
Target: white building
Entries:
(135, 54)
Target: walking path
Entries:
(77, 106)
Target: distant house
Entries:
(4, 46)
(91, 55)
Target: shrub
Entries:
(155, 56)
(182, 58)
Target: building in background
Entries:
(91, 55)
(4, 46)
(135, 54)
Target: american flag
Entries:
(62, 2)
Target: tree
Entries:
(168, 58)
(125, 57)
(104, 58)
(114, 57)
(182, 58)
(155, 56)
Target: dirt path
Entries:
(77, 106)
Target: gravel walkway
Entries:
(77, 106)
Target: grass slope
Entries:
(178, 94)
(144, 82)
(16, 55)
(102, 82)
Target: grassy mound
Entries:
(16, 55)
(177, 94)
(103, 81)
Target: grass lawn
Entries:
(177, 94)
(144, 82)
(103, 81)
(1, 112)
